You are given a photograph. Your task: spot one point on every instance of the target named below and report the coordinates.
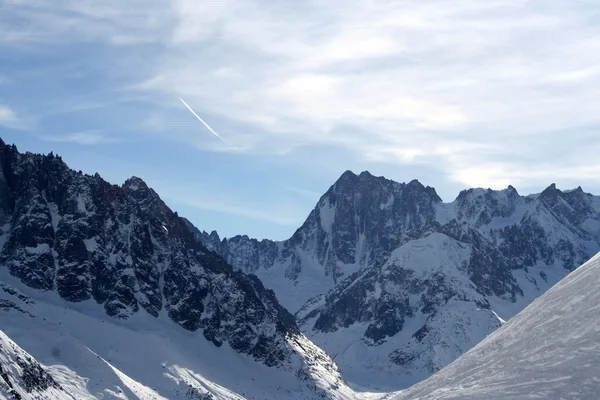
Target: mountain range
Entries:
(395, 284)
(105, 292)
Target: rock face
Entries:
(124, 249)
(358, 222)
(395, 284)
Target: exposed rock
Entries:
(124, 248)
(393, 282)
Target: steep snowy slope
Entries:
(359, 221)
(550, 350)
(23, 378)
(92, 356)
(118, 253)
(403, 320)
(402, 283)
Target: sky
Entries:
(457, 94)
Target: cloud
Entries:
(395, 73)
(7, 114)
(474, 89)
(9, 118)
(58, 22)
(82, 138)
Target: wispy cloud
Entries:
(29, 22)
(459, 86)
(83, 138)
(9, 118)
(7, 114)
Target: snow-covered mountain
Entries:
(360, 220)
(395, 284)
(99, 269)
(116, 296)
(550, 350)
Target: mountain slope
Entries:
(23, 378)
(122, 250)
(93, 356)
(359, 221)
(403, 320)
(125, 249)
(397, 284)
(550, 350)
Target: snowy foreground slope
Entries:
(550, 350)
(89, 355)
(22, 377)
(395, 284)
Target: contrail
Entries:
(201, 120)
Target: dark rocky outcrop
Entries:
(121, 246)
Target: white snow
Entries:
(327, 215)
(550, 350)
(81, 204)
(515, 218)
(389, 203)
(54, 215)
(10, 355)
(40, 248)
(366, 365)
(433, 253)
(310, 283)
(445, 212)
(96, 357)
(4, 236)
(90, 244)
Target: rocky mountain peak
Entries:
(569, 206)
(134, 184)
(480, 206)
(123, 248)
(347, 180)
(137, 189)
(350, 184)
(146, 198)
(415, 182)
(550, 194)
(512, 191)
